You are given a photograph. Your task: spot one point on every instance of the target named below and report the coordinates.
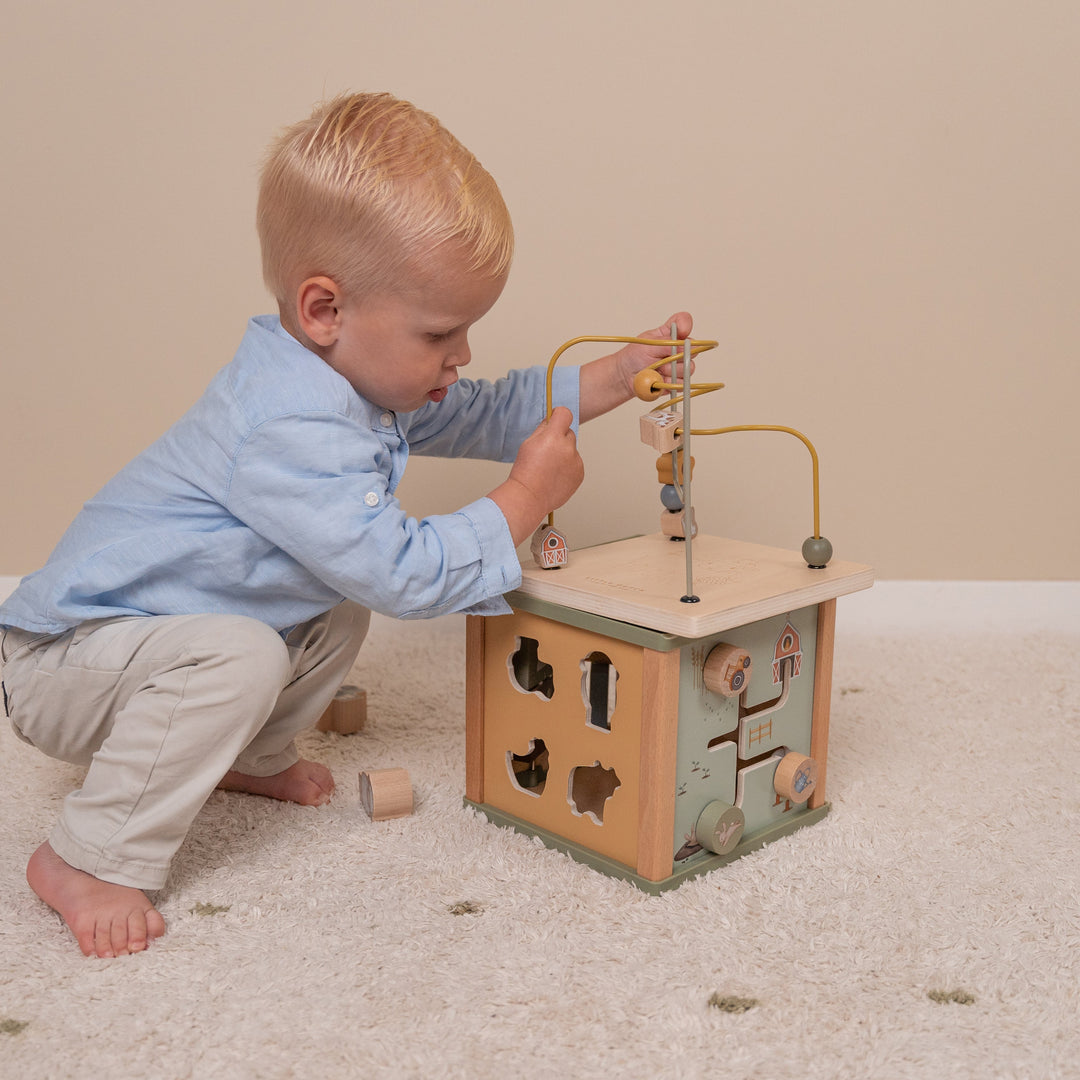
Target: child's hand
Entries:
(609, 381)
(632, 358)
(547, 470)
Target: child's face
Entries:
(402, 350)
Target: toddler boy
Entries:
(205, 605)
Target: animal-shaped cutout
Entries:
(529, 673)
(590, 788)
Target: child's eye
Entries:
(439, 336)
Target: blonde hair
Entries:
(364, 189)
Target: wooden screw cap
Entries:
(386, 793)
(727, 670)
(347, 713)
(796, 777)
(720, 827)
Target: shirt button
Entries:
(387, 419)
(371, 498)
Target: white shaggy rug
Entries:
(928, 927)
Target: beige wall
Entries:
(872, 205)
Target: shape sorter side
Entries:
(601, 735)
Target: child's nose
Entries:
(460, 356)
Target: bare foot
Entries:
(306, 782)
(106, 919)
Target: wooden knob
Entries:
(386, 793)
(720, 827)
(647, 384)
(347, 713)
(796, 777)
(727, 670)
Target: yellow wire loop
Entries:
(787, 431)
(696, 389)
(695, 348)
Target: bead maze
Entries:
(658, 706)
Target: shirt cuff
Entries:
(498, 556)
(566, 391)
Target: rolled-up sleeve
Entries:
(317, 487)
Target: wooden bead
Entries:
(727, 670)
(386, 793)
(347, 713)
(662, 429)
(671, 523)
(665, 472)
(796, 777)
(549, 548)
(647, 384)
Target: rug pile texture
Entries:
(929, 926)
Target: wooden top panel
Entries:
(641, 580)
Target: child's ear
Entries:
(318, 310)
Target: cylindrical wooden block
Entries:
(795, 777)
(347, 713)
(720, 827)
(727, 670)
(386, 793)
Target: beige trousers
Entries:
(159, 708)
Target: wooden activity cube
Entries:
(649, 737)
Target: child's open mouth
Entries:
(438, 394)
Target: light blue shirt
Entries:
(273, 497)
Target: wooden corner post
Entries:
(659, 741)
(474, 708)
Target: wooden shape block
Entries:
(658, 429)
(386, 793)
(727, 670)
(347, 713)
(549, 548)
(671, 523)
(795, 777)
(665, 471)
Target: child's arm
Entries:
(609, 381)
(546, 472)
(548, 468)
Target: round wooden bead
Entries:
(669, 496)
(647, 384)
(817, 551)
(386, 793)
